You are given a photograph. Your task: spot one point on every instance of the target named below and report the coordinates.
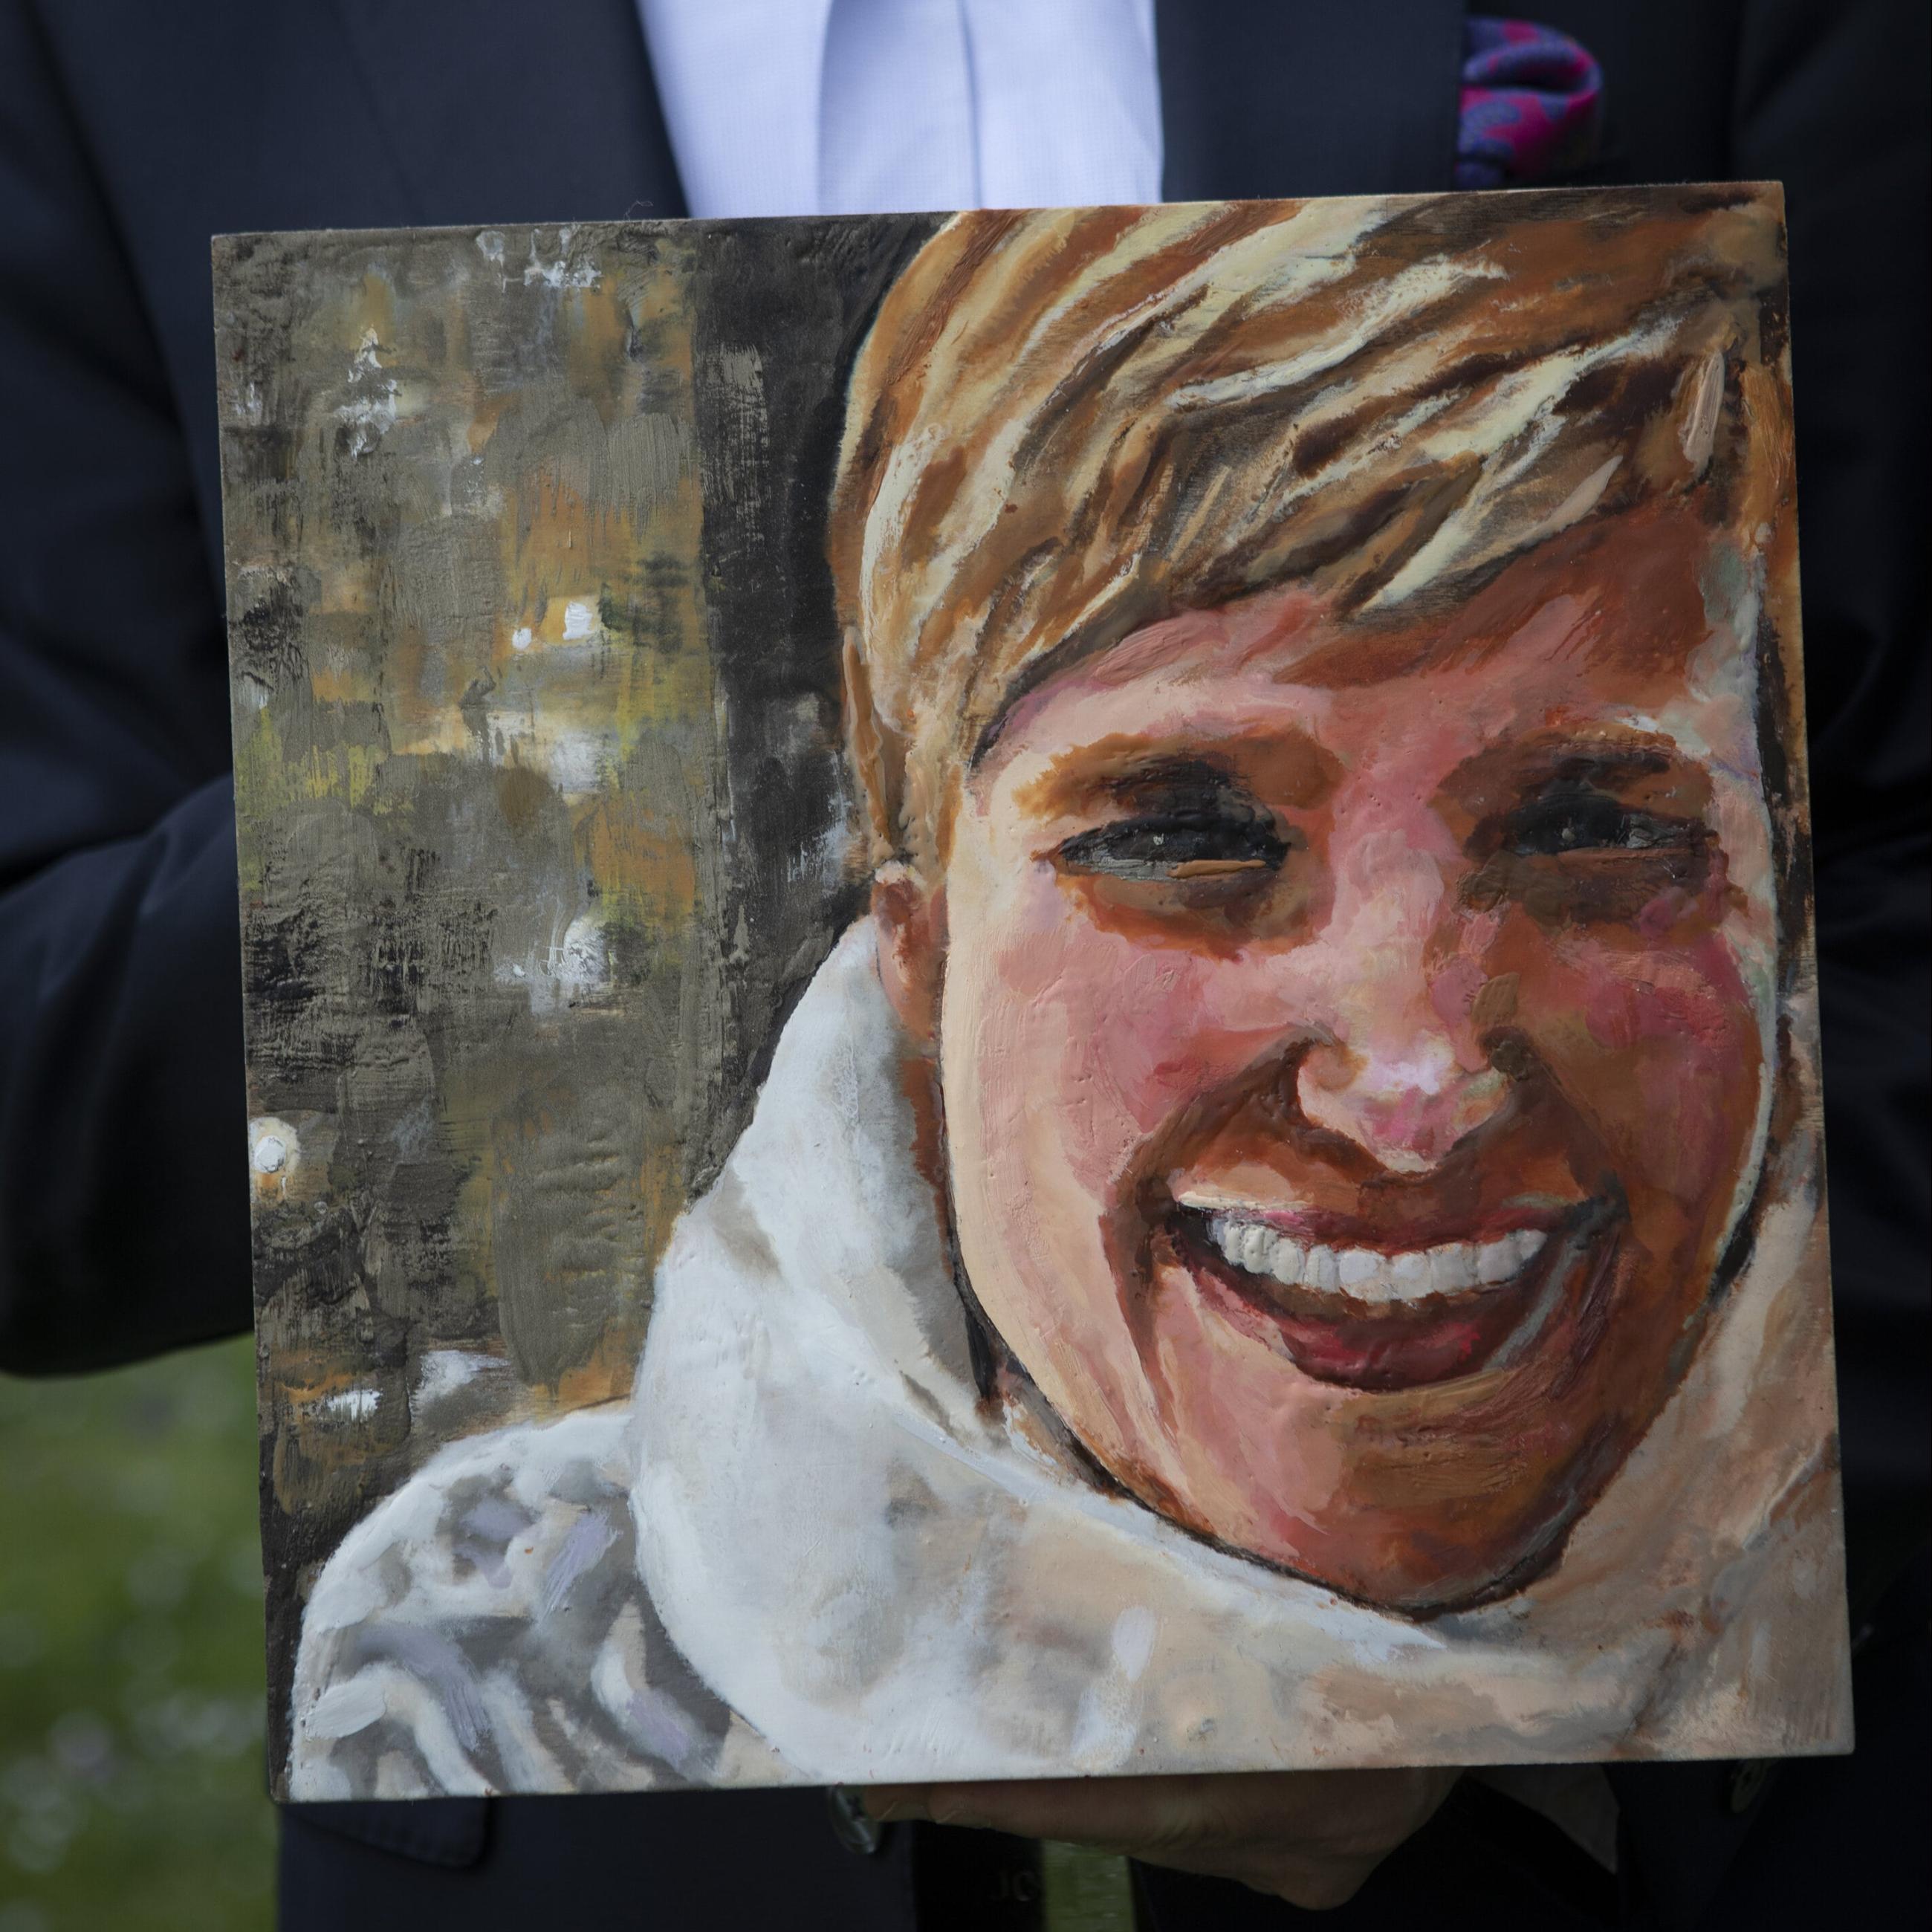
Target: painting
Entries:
(1030, 993)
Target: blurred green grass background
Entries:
(131, 1795)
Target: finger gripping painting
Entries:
(1030, 993)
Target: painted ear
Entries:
(910, 920)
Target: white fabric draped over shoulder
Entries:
(808, 1551)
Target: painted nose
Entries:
(1397, 1068)
(1405, 1102)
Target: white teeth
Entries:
(1367, 1274)
(1287, 1262)
(1357, 1267)
(1495, 1261)
(1412, 1273)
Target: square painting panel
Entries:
(1030, 993)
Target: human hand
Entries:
(1309, 1837)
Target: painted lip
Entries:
(1334, 1335)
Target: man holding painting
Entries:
(120, 886)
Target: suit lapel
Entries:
(1266, 98)
(494, 113)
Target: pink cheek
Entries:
(1667, 1064)
(1127, 1032)
(1151, 1049)
(1667, 913)
(1165, 1049)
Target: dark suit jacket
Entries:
(130, 133)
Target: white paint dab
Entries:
(274, 1151)
(1134, 1633)
(441, 1372)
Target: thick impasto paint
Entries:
(1030, 993)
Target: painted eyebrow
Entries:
(1289, 768)
(1176, 774)
(1504, 773)
(1588, 764)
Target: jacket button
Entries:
(1747, 1783)
(851, 1824)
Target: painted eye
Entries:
(1179, 844)
(1589, 821)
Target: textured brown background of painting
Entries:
(541, 819)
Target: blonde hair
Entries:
(1066, 425)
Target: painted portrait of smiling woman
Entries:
(1290, 1231)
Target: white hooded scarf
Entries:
(809, 1550)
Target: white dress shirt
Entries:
(856, 107)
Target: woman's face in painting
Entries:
(1352, 1046)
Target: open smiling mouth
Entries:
(1381, 1317)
